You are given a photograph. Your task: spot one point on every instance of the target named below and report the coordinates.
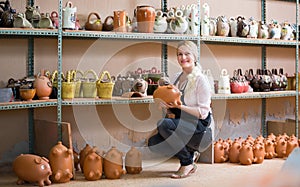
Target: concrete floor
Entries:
(207, 175)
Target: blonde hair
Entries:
(191, 46)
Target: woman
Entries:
(181, 134)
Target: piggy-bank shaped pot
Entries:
(280, 148)
(61, 162)
(246, 154)
(33, 169)
(133, 161)
(269, 148)
(168, 93)
(234, 151)
(93, 166)
(219, 152)
(83, 153)
(113, 164)
(258, 153)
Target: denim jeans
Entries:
(179, 137)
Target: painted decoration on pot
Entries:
(32, 169)
(43, 86)
(61, 162)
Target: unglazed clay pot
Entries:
(258, 153)
(291, 144)
(133, 161)
(61, 163)
(43, 86)
(270, 148)
(76, 160)
(83, 154)
(234, 151)
(169, 94)
(219, 152)
(33, 169)
(92, 166)
(113, 164)
(246, 154)
(280, 147)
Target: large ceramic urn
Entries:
(133, 161)
(43, 86)
(113, 164)
(61, 163)
(145, 18)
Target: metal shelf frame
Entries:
(61, 34)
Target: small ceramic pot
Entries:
(95, 24)
(27, 94)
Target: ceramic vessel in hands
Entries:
(168, 93)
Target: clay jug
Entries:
(263, 30)
(168, 93)
(234, 151)
(161, 24)
(69, 16)
(54, 19)
(113, 164)
(243, 27)
(133, 161)
(93, 166)
(145, 18)
(43, 86)
(223, 27)
(33, 169)
(20, 21)
(246, 154)
(233, 26)
(83, 153)
(61, 162)
(219, 152)
(120, 21)
(258, 153)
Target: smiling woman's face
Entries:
(185, 58)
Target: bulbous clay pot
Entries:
(258, 153)
(246, 154)
(92, 166)
(113, 164)
(133, 161)
(291, 144)
(169, 94)
(83, 154)
(76, 160)
(269, 149)
(234, 151)
(219, 152)
(61, 162)
(280, 147)
(33, 169)
(43, 86)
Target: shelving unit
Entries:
(61, 35)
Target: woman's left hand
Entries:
(173, 105)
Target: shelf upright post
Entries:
(59, 69)
(164, 46)
(199, 30)
(30, 72)
(296, 71)
(263, 66)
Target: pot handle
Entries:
(69, 4)
(93, 13)
(54, 14)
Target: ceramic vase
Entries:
(120, 21)
(145, 18)
(43, 86)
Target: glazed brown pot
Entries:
(93, 25)
(61, 162)
(33, 169)
(113, 164)
(120, 21)
(145, 18)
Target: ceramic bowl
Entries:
(27, 94)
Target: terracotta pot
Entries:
(234, 151)
(133, 161)
(83, 153)
(27, 94)
(92, 166)
(33, 169)
(169, 94)
(246, 154)
(113, 164)
(145, 18)
(61, 162)
(258, 153)
(43, 86)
